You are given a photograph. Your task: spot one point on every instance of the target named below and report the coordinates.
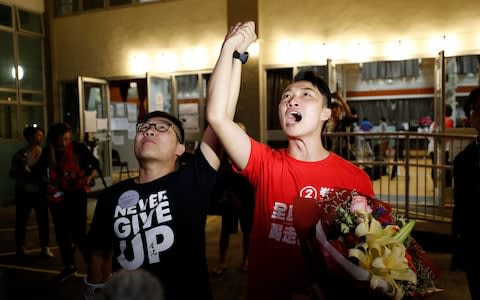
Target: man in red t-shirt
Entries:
(277, 268)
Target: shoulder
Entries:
(465, 154)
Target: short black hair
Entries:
(448, 110)
(162, 114)
(57, 130)
(30, 131)
(472, 97)
(317, 81)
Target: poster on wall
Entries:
(188, 113)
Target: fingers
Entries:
(247, 31)
(241, 35)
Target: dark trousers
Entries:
(70, 220)
(25, 201)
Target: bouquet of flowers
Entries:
(359, 239)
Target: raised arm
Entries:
(223, 91)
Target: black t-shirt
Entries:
(160, 226)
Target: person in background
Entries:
(340, 121)
(383, 146)
(69, 167)
(277, 268)
(447, 123)
(447, 120)
(28, 178)
(466, 188)
(383, 126)
(156, 221)
(236, 198)
(366, 125)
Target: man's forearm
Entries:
(99, 269)
(220, 92)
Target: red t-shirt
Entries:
(276, 265)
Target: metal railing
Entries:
(418, 184)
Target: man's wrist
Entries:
(92, 285)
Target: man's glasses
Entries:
(160, 127)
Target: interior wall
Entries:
(32, 5)
(103, 43)
(344, 22)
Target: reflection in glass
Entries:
(32, 97)
(8, 96)
(7, 62)
(187, 87)
(8, 121)
(30, 21)
(160, 94)
(5, 16)
(30, 50)
(66, 7)
(32, 115)
(94, 94)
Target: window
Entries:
(22, 88)
(5, 15)
(30, 22)
(92, 4)
(7, 62)
(30, 60)
(68, 7)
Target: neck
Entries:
(304, 150)
(150, 171)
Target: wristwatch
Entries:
(243, 57)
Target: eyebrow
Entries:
(300, 88)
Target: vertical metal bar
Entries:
(407, 175)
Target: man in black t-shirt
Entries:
(156, 221)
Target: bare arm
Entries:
(223, 91)
(99, 266)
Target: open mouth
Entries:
(296, 115)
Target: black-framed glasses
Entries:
(160, 126)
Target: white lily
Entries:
(383, 253)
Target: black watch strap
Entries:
(243, 57)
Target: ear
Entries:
(180, 150)
(325, 114)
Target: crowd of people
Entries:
(148, 232)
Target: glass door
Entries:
(160, 94)
(94, 123)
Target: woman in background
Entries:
(28, 176)
(70, 167)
